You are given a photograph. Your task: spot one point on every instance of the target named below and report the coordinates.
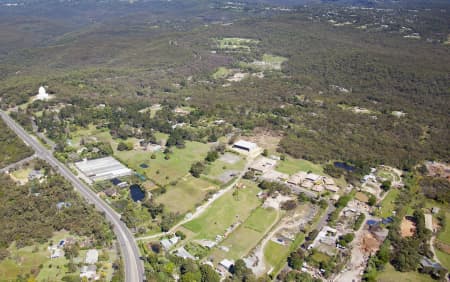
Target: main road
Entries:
(134, 268)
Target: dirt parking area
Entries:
(230, 158)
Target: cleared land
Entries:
(291, 166)
(186, 194)
(164, 171)
(388, 203)
(362, 197)
(268, 62)
(221, 72)
(217, 169)
(274, 253)
(236, 44)
(389, 274)
(224, 212)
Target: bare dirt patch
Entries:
(407, 227)
(266, 139)
(362, 197)
(369, 244)
(438, 169)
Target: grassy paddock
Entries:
(389, 274)
(388, 203)
(291, 166)
(224, 212)
(247, 235)
(186, 194)
(164, 171)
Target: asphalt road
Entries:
(133, 266)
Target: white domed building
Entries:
(42, 94)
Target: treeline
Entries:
(30, 213)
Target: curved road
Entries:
(134, 268)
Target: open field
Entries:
(21, 175)
(268, 62)
(186, 194)
(221, 72)
(224, 212)
(164, 171)
(291, 166)
(389, 274)
(24, 262)
(275, 253)
(388, 203)
(247, 235)
(388, 175)
(236, 44)
(91, 131)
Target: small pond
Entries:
(136, 193)
(345, 166)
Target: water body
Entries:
(137, 194)
(345, 166)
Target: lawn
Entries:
(275, 255)
(389, 274)
(247, 235)
(224, 212)
(388, 203)
(163, 171)
(22, 261)
(443, 258)
(291, 166)
(444, 235)
(186, 194)
(319, 257)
